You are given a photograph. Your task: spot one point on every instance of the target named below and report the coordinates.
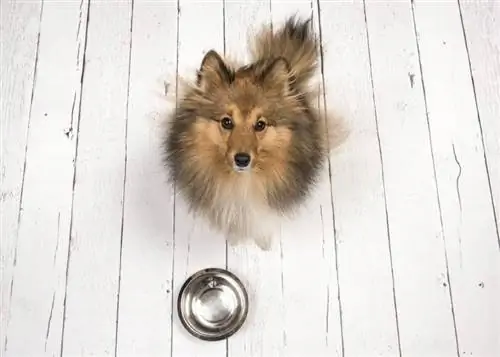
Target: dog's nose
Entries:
(242, 159)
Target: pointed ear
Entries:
(213, 72)
(277, 76)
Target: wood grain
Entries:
(421, 283)
(363, 251)
(465, 199)
(40, 275)
(19, 32)
(96, 231)
(145, 299)
(479, 21)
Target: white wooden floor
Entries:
(398, 254)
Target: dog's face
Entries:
(242, 123)
(244, 129)
(245, 136)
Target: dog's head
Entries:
(248, 121)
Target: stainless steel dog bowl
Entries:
(212, 304)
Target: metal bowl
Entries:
(212, 304)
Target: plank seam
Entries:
(172, 299)
(325, 106)
(389, 243)
(448, 280)
(495, 213)
(82, 76)
(125, 162)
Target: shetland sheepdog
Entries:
(245, 145)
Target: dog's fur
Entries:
(286, 156)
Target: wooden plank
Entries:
(40, 276)
(263, 333)
(196, 246)
(145, 299)
(480, 21)
(94, 252)
(19, 32)
(364, 260)
(309, 238)
(334, 324)
(466, 206)
(424, 310)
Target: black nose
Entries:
(242, 159)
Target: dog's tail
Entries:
(295, 42)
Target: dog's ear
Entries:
(213, 72)
(277, 76)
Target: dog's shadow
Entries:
(150, 223)
(148, 197)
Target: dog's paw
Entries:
(264, 242)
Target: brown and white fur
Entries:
(263, 112)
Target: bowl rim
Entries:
(227, 276)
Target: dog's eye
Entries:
(260, 125)
(227, 123)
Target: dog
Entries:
(245, 145)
